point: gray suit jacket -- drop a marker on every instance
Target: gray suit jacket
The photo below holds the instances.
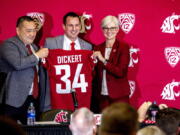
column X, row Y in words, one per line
column 19, row 68
column 57, row 43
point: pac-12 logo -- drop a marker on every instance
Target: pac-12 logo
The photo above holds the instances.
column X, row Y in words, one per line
column 172, row 55
column 169, row 93
column 39, row 18
column 171, row 23
column 133, row 56
column 126, row 21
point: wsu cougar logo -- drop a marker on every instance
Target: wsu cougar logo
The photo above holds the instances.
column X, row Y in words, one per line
column 168, row 25
column 168, row 92
column 133, row 56
column 61, row 117
column 172, row 55
column 132, row 85
column 86, row 22
column 126, row 21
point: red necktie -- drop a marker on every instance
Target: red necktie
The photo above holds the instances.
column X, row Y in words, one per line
column 72, row 46
column 35, row 81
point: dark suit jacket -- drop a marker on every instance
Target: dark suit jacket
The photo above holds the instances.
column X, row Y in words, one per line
column 18, row 65
column 116, row 70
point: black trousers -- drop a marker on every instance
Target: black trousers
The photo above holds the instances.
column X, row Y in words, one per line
column 21, row 112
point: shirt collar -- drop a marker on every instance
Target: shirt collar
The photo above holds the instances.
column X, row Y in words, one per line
column 68, row 42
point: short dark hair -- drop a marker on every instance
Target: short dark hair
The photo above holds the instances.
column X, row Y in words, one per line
column 119, row 118
column 168, row 120
column 70, row 14
column 22, row 19
column 10, row 127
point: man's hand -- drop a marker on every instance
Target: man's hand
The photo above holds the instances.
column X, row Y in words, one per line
column 162, row 106
column 142, row 110
column 42, row 53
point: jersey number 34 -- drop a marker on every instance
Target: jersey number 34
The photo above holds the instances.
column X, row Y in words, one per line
column 70, row 84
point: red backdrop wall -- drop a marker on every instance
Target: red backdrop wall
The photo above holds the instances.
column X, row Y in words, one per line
column 154, row 72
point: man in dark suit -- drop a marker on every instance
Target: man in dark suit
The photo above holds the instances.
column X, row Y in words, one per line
column 71, row 26
column 21, row 65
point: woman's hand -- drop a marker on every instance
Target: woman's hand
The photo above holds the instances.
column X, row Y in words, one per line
column 97, row 54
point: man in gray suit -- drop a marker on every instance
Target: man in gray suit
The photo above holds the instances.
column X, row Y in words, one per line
column 71, row 26
column 21, row 63
column 70, row 39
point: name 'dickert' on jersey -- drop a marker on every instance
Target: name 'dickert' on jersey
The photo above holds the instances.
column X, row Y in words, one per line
column 69, row 59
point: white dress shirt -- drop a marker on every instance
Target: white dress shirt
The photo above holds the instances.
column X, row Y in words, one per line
column 67, row 44
column 104, row 90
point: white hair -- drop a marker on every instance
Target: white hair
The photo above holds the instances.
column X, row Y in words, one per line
column 82, row 122
column 108, row 20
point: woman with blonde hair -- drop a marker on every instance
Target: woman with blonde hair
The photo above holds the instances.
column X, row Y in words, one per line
column 112, row 67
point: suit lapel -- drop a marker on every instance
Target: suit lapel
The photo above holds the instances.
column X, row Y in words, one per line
column 34, row 47
column 21, row 46
column 114, row 51
column 103, row 49
column 59, row 42
column 81, row 44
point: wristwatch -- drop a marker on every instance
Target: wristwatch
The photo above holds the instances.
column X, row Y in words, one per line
column 105, row 62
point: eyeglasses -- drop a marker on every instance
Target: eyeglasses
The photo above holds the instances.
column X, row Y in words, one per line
column 110, row 29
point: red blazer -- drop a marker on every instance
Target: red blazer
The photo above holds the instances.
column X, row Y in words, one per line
column 116, row 70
